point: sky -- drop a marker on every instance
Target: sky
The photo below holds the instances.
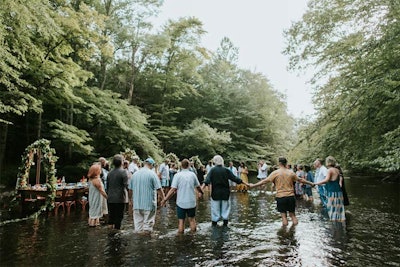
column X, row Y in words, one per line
column 256, row 28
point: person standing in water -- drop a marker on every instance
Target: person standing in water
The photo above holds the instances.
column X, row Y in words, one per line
column 334, row 194
column 284, row 180
column 218, row 177
column 185, row 183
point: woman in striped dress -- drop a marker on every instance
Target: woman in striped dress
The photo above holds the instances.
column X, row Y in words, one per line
column 335, row 205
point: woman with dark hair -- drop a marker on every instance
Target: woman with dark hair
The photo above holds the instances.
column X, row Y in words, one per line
column 117, row 184
column 97, row 196
column 310, row 178
column 346, row 201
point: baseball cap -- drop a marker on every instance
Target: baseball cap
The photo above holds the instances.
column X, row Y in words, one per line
column 150, row 160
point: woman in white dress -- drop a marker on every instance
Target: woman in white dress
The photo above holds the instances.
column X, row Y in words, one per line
column 97, row 196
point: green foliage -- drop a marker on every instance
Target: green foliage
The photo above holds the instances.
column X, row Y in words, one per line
column 72, row 135
column 93, row 78
column 355, row 47
column 201, row 139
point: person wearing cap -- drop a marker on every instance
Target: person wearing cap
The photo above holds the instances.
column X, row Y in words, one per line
column 185, row 182
column 117, row 185
column 284, row 179
column 218, row 177
column 142, row 192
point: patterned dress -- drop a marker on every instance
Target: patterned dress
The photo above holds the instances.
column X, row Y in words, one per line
column 335, row 205
column 243, row 175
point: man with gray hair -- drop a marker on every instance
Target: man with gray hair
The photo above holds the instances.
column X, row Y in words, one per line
column 143, row 189
column 218, row 177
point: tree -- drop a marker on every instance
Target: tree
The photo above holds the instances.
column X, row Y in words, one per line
column 354, row 47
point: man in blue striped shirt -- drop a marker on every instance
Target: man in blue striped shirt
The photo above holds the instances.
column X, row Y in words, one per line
column 144, row 185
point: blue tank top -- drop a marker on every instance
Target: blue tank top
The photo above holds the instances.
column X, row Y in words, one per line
column 333, row 186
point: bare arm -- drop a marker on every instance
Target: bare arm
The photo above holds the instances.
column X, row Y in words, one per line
column 130, row 194
column 326, row 179
column 169, row 195
column 162, row 193
column 304, row 181
column 97, row 184
column 261, row 182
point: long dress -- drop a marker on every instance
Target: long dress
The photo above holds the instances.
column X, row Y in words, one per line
column 335, row 205
column 96, row 202
column 242, row 187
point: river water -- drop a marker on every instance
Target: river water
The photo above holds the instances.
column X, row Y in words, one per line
column 254, row 237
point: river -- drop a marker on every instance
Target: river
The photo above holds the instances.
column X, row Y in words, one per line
column 254, row 237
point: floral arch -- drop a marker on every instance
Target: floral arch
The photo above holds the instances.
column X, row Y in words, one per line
column 46, row 156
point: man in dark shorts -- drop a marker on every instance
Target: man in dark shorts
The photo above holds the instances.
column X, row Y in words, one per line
column 185, row 183
column 284, row 179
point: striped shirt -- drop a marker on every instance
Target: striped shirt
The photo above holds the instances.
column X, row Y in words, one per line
column 144, row 184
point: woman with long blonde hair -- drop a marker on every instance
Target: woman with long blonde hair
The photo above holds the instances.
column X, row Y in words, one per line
column 335, row 205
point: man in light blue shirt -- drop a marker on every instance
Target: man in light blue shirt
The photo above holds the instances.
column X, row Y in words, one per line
column 233, row 169
column 185, row 182
column 163, row 174
column 144, row 185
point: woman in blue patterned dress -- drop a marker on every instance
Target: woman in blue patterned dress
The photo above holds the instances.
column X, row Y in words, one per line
column 335, row 205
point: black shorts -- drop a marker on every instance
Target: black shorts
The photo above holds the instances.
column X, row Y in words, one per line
column 183, row 212
column 286, row 204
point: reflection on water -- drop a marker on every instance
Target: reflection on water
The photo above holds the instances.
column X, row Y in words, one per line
column 254, row 236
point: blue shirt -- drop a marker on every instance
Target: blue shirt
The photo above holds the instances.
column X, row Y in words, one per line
column 144, row 184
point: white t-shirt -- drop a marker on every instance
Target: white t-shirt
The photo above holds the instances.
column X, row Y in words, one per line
column 185, row 182
column 133, row 167
column 164, row 171
column 321, row 174
column 262, row 172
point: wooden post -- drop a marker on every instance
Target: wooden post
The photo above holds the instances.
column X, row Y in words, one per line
column 38, row 163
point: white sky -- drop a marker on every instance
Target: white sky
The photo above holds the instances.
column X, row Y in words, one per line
column 256, row 28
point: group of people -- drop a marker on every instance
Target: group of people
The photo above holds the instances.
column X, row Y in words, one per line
column 140, row 185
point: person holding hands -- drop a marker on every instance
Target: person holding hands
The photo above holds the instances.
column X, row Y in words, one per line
column 184, row 183
column 284, row 180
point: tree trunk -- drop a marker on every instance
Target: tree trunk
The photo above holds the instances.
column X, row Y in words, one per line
column 39, row 126
column 132, row 84
column 70, row 122
column 3, row 144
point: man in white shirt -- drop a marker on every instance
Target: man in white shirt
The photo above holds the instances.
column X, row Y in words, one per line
column 143, row 189
column 133, row 167
column 163, row 174
column 320, row 173
column 262, row 171
column 184, row 183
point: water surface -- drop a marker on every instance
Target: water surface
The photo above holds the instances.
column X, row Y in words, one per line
column 254, row 236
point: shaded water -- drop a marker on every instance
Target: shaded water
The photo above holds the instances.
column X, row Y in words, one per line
column 371, row 236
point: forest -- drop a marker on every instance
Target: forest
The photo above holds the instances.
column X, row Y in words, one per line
column 96, row 78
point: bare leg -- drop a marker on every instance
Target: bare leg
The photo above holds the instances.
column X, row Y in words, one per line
column 293, row 217
column 284, row 219
column 181, row 226
column 192, row 223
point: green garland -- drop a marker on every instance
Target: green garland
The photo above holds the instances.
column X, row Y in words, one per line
column 49, row 162
column 173, row 159
column 128, row 154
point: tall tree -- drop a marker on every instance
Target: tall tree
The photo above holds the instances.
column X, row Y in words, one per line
column 354, row 45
